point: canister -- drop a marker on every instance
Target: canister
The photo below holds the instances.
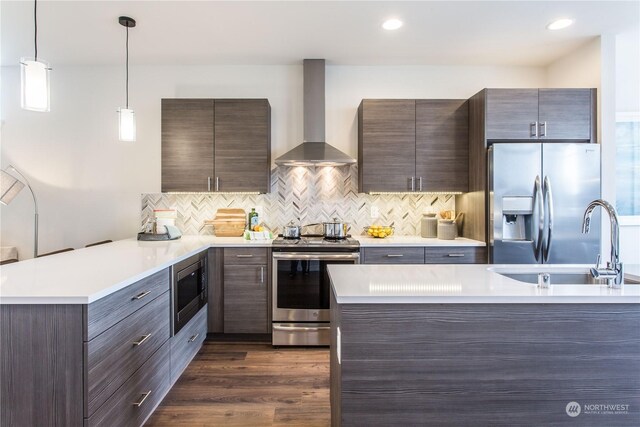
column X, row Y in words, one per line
column 447, row 229
column 429, row 225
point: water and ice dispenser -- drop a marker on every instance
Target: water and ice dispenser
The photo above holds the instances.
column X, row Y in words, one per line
column 517, row 217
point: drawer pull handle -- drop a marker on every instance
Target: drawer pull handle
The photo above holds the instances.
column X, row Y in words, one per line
column 193, row 338
column 244, row 256
column 141, row 341
column 142, row 399
column 394, row 255
column 141, row 295
column 456, row 255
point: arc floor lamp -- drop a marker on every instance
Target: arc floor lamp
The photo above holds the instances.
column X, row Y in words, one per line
column 10, row 186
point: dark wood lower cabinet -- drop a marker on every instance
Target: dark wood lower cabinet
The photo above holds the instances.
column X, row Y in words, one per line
column 483, row 364
column 245, row 299
column 243, row 293
column 113, row 356
column 455, row 255
column 53, row 376
column 41, row 361
column 134, row 402
column 424, row 255
column 392, row 255
column 186, row 343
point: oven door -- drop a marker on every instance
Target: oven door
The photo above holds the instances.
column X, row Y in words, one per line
column 190, row 293
column 301, row 287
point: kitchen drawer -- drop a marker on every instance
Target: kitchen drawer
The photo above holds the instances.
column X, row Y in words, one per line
column 128, row 405
column 106, row 312
column 186, row 343
column 113, row 356
column 245, row 256
column 455, row 255
column 394, row 255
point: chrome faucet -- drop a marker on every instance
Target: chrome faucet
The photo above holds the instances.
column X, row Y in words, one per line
column 614, row 272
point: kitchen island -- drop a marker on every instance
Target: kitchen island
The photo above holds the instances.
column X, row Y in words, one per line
column 464, row 345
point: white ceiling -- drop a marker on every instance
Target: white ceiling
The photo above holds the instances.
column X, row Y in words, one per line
column 265, row 32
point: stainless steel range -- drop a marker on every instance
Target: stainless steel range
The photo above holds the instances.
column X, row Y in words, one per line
column 301, row 287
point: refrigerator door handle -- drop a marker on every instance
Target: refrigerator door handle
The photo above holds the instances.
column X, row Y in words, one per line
column 538, row 202
column 548, row 205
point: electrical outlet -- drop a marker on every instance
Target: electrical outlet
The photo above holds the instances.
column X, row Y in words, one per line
column 375, row 212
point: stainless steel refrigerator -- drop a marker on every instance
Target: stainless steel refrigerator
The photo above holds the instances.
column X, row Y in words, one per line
column 537, row 196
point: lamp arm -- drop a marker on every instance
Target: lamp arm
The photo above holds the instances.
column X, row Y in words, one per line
column 35, row 207
column 26, row 181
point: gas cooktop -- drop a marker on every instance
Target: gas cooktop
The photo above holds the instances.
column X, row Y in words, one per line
column 315, row 241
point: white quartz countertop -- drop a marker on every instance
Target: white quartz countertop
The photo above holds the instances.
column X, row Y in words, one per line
column 366, row 241
column 86, row 275
column 462, row 284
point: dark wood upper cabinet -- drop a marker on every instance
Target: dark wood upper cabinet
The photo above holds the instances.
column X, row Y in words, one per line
column 413, row 145
column 567, row 114
column 187, row 144
column 216, row 145
column 511, row 114
column 540, row 114
column 442, row 145
column 242, row 145
column 386, row 144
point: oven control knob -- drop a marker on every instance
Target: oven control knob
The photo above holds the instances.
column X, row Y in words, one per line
column 315, row 314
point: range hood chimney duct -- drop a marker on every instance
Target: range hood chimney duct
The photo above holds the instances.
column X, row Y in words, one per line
column 314, row 151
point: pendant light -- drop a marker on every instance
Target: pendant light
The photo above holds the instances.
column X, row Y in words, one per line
column 34, row 76
column 126, row 115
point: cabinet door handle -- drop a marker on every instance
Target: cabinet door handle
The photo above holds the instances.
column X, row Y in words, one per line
column 141, row 341
column 394, row 255
column 217, row 183
column 244, row 256
column 413, row 183
column 420, row 183
column 193, row 338
column 543, row 129
column 261, row 274
column 140, row 295
column 142, row 399
column 533, row 129
column 456, row 255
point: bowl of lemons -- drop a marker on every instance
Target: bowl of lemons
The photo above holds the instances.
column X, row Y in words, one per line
column 379, row 231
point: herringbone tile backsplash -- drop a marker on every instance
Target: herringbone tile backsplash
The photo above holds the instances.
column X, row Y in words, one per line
column 311, row 194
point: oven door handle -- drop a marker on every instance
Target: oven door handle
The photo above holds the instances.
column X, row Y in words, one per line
column 316, row 256
column 300, row 328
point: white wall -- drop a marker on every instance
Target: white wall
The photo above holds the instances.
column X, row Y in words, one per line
column 89, row 184
column 627, row 90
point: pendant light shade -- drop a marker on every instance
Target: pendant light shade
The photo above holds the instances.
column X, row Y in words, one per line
column 126, row 115
column 127, row 119
column 34, row 76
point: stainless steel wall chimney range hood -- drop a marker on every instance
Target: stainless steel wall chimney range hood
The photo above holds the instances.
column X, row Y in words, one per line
column 314, row 151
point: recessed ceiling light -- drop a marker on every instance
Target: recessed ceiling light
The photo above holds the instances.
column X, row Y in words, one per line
column 392, row 24
column 559, row 24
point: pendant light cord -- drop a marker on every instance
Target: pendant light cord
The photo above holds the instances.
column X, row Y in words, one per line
column 35, row 25
column 127, row 62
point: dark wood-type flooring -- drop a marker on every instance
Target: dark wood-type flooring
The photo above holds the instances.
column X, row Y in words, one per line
column 249, row 384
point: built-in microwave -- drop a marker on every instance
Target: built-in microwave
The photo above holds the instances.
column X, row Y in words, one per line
column 188, row 290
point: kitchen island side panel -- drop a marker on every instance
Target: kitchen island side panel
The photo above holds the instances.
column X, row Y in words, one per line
column 41, row 365
column 485, row 364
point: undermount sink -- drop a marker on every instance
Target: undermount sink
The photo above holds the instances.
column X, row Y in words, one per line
column 559, row 275
column 558, row 278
